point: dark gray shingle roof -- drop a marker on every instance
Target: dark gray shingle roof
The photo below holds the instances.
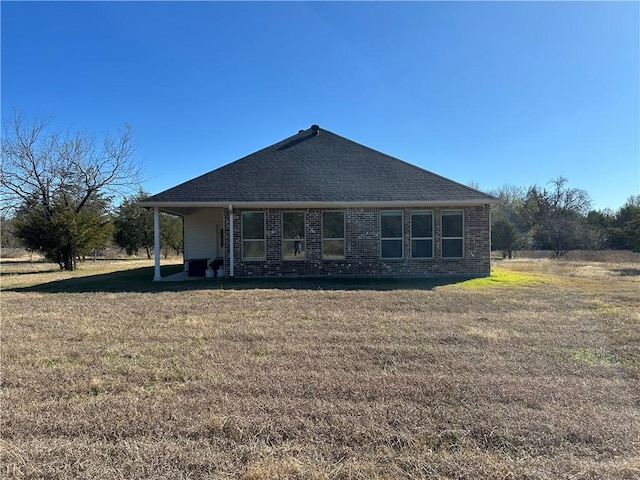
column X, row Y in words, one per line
column 322, row 167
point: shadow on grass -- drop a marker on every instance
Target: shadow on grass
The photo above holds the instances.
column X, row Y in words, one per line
column 8, row 266
column 4, row 273
column 139, row 280
column 627, row 272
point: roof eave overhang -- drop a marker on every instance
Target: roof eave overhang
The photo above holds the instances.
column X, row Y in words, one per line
column 177, row 206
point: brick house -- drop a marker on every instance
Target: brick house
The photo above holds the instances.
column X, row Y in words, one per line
column 317, row 203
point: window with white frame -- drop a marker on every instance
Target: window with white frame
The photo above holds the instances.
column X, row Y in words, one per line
column 452, row 234
column 333, row 235
column 253, row 236
column 391, row 233
column 421, row 234
column 293, row 238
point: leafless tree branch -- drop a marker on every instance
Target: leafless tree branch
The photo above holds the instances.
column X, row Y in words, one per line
column 37, row 164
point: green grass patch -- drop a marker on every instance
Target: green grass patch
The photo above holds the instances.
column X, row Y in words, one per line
column 504, row 277
column 594, row 358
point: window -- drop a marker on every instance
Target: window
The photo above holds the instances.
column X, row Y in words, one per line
column 333, row 235
column 293, row 239
column 253, row 236
column 452, row 236
column 421, row 234
column 391, row 234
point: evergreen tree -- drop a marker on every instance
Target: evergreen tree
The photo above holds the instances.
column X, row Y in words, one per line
column 133, row 226
column 62, row 233
column 171, row 234
column 504, row 237
column 627, row 225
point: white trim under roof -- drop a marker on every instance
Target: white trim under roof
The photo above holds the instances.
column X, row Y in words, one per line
column 374, row 204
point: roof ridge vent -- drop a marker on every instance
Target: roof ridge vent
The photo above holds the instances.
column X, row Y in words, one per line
column 315, row 129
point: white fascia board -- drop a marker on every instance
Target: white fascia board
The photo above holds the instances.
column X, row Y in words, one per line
column 165, row 208
column 400, row 203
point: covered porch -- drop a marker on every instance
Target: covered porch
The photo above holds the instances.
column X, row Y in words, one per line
column 204, row 242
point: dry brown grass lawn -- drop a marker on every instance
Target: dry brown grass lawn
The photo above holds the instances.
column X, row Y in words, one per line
column 532, row 373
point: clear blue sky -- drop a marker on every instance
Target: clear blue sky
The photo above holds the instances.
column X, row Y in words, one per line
column 494, row 93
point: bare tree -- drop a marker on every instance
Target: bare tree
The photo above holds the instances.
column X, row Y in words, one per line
column 48, row 176
column 563, row 198
column 557, row 217
column 36, row 163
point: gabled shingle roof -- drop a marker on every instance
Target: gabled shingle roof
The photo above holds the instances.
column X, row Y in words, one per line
column 316, row 165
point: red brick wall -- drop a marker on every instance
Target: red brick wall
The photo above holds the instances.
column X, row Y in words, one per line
column 362, row 246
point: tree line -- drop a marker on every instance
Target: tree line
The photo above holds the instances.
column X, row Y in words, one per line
column 559, row 218
column 59, row 190
column 129, row 228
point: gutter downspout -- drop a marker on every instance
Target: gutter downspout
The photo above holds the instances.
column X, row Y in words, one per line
column 231, row 240
column 156, row 243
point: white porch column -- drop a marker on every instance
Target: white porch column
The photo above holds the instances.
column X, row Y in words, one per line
column 156, row 243
column 230, row 240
